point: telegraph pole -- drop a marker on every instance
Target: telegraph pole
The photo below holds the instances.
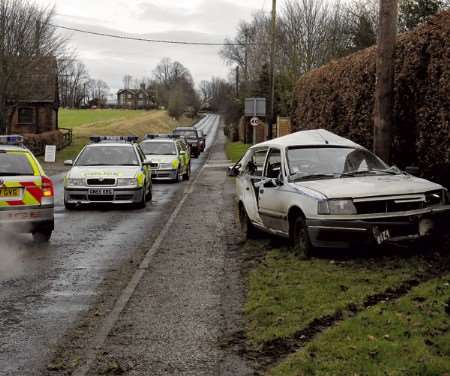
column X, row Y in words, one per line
column 384, row 94
column 272, row 69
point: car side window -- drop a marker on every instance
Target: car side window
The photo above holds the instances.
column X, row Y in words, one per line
column 255, row 163
column 273, row 168
column 141, row 154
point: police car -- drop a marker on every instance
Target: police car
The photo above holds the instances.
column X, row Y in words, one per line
column 109, row 170
column 26, row 193
column 169, row 157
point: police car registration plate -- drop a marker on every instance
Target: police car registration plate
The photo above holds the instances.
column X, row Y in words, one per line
column 9, row 192
column 101, row 192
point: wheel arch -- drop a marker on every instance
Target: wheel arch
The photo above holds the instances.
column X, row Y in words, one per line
column 295, row 212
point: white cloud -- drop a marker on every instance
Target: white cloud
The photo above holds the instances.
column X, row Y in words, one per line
column 194, row 20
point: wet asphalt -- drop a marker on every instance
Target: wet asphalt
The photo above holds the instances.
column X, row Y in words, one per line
column 45, row 289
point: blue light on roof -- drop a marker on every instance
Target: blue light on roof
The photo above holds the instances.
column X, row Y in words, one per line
column 97, row 139
column 11, row 140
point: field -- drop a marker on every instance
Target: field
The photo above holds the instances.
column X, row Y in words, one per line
column 86, row 123
column 235, row 150
column 380, row 314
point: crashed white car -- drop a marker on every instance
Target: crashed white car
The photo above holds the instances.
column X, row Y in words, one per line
column 322, row 190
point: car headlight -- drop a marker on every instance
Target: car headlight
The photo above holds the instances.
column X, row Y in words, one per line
column 72, row 182
column 127, row 182
column 344, row 207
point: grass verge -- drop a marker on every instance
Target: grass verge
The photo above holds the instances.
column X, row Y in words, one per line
column 235, row 150
column 409, row 336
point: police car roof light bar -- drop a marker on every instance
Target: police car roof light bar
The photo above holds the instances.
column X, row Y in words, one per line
column 97, row 139
column 16, row 140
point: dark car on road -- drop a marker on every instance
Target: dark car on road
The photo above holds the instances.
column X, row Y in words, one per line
column 191, row 135
column 202, row 136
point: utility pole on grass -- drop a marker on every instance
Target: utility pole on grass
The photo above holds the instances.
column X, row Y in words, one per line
column 384, row 94
column 272, row 69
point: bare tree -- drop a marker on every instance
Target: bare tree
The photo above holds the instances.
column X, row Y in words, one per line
column 26, row 36
column 127, row 80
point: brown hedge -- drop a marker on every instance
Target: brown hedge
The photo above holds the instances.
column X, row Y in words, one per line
column 340, row 97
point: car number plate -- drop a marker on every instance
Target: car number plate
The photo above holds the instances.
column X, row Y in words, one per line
column 101, row 192
column 9, row 192
column 381, row 236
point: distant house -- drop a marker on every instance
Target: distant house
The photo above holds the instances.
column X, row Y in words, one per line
column 142, row 98
column 34, row 108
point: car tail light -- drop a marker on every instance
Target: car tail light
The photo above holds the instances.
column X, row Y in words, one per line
column 47, row 187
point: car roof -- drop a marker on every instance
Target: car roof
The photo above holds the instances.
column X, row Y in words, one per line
column 162, row 139
column 96, row 144
column 316, row 137
column 185, row 129
column 13, row 148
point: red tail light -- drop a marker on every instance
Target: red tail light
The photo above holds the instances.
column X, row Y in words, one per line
column 47, row 187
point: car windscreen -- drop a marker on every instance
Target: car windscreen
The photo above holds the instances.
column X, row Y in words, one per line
column 15, row 164
column 159, row 148
column 108, row 156
column 333, row 161
column 188, row 133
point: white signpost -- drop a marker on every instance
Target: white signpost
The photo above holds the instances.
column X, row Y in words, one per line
column 50, row 153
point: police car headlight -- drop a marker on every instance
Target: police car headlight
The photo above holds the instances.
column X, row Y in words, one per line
column 340, row 207
column 72, row 182
column 127, row 182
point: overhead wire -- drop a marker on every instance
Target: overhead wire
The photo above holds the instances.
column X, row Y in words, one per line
column 140, row 39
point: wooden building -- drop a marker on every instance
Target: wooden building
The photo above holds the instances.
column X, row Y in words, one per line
column 142, row 98
column 33, row 109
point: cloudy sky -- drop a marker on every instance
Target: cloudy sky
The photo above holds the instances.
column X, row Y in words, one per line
column 187, row 20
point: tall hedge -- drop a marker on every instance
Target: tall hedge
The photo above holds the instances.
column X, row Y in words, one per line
column 340, row 97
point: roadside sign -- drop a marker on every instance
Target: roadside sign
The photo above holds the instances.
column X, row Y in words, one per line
column 254, row 121
column 50, row 153
column 255, row 107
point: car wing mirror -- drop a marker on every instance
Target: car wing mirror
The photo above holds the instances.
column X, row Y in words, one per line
column 68, row 163
column 234, row 170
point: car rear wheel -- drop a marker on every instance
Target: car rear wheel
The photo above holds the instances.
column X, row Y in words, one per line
column 42, row 236
column 299, row 237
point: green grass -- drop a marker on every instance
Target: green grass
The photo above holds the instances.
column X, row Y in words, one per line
column 86, row 123
column 75, row 118
column 409, row 336
column 286, row 294
column 235, row 150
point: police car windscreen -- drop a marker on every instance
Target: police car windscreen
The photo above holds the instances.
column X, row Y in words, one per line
column 15, row 165
column 108, row 156
column 186, row 133
column 159, row 148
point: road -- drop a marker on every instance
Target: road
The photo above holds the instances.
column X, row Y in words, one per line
column 44, row 290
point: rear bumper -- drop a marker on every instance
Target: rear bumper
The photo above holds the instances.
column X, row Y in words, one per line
column 345, row 233
column 24, row 220
column 80, row 196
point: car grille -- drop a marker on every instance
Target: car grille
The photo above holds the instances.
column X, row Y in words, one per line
column 387, row 206
column 154, row 165
column 102, row 182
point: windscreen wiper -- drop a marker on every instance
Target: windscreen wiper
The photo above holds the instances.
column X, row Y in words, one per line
column 312, row 177
column 369, row 172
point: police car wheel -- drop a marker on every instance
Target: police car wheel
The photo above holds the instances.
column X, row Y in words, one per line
column 42, row 236
column 143, row 203
column 187, row 175
column 149, row 195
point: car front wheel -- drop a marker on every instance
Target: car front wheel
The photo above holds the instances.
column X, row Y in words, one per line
column 299, row 238
column 248, row 230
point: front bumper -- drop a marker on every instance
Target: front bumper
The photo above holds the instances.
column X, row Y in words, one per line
column 342, row 233
column 27, row 219
column 81, row 196
column 161, row 174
